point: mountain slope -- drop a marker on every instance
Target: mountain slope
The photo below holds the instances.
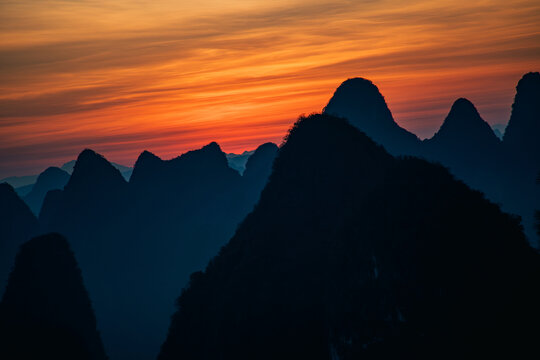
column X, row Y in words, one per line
column 45, row 312
column 52, row 178
column 467, row 145
column 351, row 253
column 523, row 130
column 17, row 225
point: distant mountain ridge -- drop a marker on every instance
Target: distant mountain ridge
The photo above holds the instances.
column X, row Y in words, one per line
column 165, row 223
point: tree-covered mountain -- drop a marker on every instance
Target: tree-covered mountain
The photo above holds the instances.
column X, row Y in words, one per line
column 351, row 253
column 45, row 312
column 17, row 225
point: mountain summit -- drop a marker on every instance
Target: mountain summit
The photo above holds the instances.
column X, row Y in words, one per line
column 359, row 101
column 464, row 125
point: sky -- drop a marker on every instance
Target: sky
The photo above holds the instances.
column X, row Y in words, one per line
column 122, row 76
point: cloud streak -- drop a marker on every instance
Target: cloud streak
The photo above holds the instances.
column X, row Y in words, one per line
column 171, row 75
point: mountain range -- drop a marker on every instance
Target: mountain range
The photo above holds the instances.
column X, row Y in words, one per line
column 366, row 241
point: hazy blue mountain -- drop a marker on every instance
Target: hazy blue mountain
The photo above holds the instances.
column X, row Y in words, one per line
column 523, row 130
column 353, row 254
column 138, row 242
column 45, row 312
column 238, row 161
column 498, row 130
column 52, row 178
column 17, row 225
column 19, row 181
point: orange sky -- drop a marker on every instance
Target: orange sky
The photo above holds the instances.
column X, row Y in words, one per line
column 168, row 76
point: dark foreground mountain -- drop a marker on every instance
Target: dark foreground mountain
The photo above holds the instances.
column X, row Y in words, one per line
column 17, row 225
column 45, row 312
column 52, row 178
column 359, row 101
column 138, row 242
column 351, row 253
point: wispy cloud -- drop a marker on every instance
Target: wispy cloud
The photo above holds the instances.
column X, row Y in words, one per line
column 169, row 75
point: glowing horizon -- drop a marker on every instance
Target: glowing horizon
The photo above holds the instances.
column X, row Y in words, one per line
column 169, row 76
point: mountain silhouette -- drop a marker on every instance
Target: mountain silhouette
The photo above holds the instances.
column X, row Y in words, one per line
column 351, row 253
column 17, row 225
column 51, row 179
column 258, row 170
column 523, row 130
column 521, row 154
column 467, row 145
column 46, row 312
column 359, row 101
column 238, row 161
column 138, row 242
column 124, row 170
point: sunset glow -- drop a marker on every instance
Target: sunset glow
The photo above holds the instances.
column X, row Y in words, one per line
column 169, row 76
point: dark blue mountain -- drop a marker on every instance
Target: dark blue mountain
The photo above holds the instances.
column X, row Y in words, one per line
column 360, row 102
column 17, row 225
column 138, row 242
column 467, row 145
column 523, row 130
column 45, row 312
column 52, row 178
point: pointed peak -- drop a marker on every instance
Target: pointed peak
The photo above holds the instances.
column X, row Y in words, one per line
column 464, row 123
column 93, row 168
column 463, row 108
column 146, row 157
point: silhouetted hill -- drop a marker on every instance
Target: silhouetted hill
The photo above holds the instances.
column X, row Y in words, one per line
column 467, row 145
column 51, row 179
column 351, row 253
column 523, row 130
column 360, row 102
column 46, row 312
column 522, row 153
column 138, row 242
column 17, row 225
column 258, row 170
